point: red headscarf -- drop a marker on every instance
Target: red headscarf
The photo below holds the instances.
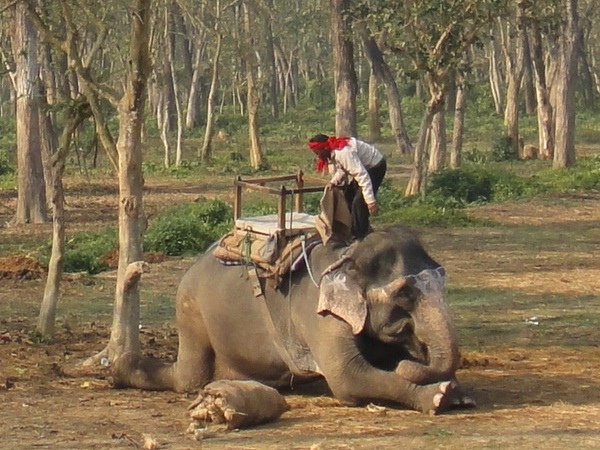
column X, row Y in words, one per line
column 332, row 143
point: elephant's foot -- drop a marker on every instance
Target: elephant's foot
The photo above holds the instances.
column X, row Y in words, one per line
column 436, row 398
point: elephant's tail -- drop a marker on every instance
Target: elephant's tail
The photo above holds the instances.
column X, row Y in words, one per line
column 134, row 370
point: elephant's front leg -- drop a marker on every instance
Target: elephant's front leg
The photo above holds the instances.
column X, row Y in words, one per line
column 421, row 374
column 353, row 379
column 416, row 372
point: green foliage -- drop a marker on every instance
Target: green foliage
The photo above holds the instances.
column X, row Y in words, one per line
column 460, row 186
column 85, row 252
column 8, row 134
column 502, row 149
column 5, row 165
column 476, row 156
column 584, row 175
column 395, row 208
column 188, row 228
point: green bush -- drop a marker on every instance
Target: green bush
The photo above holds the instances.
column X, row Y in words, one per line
column 584, row 175
column 85, row 252
column 188, row 228
column 5, row 166
column 502, row 149
column 396, row 208
column 460, row 186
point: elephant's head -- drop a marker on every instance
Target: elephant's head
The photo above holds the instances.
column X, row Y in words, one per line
column 404, row 291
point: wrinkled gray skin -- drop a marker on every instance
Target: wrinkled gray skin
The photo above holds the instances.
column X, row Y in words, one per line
column 406, row 354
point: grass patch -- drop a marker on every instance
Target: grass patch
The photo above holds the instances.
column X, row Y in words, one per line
column 487, row 318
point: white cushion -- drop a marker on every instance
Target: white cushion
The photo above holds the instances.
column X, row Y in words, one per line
column 294, row 221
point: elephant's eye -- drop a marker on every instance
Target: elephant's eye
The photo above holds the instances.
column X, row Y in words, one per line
column 405, row 298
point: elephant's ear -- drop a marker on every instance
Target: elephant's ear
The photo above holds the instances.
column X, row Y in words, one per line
column 340, row 295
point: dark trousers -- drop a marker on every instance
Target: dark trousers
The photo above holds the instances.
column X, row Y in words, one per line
column 356, row 202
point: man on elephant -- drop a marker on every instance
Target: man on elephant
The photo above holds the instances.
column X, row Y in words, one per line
column 359, row 167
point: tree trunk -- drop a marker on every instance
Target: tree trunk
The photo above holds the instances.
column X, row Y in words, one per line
column 124, row 335
column 584, row 70
column 528, row 85
column 256, row 154
column 167, row 74
column 514, row 73
column 47, row 316
column 495, row 76
column 437, row 156
column 206, row 151
column 459, row 126
column 564, row 155
column 31, row 195
column 374, row 122
column 344, row 73
column 270, row 55
column 178, row 150
column 385, row 75
column 417, row 182
column 544, row 108
column 192, row 117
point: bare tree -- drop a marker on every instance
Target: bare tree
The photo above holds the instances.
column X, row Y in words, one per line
column 459, row 121
column 206, row 150
column 252, row 99
column 513, row 45
column 383, row 73
column 564, row 154
column 344, row 73
column 76, row 112
column 31, row 190
column 544, row 107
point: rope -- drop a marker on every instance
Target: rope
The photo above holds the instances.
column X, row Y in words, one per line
column 247, row 247
column 308, row 269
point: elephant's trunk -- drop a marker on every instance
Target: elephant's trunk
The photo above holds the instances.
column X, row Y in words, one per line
column 434, row 328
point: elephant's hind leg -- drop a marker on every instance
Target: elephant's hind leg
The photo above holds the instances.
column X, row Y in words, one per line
column 195, row 359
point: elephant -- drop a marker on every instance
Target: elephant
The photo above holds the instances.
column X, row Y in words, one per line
column 402, row 350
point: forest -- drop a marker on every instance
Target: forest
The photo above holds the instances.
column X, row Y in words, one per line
column 123, row 124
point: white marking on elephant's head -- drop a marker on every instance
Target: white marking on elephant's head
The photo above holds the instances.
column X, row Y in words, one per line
column 430, row 282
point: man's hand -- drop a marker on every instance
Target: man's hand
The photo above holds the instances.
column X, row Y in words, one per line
column 373, row 208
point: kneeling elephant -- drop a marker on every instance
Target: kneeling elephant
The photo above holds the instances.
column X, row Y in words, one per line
column 377, row 329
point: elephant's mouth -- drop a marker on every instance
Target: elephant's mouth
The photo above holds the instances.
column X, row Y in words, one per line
column 417, row 351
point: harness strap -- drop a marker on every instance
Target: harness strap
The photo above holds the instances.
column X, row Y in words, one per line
column 305, row 255
column 256, row 286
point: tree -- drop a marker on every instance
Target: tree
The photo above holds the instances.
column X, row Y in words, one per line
column 513, row 45
column 31, row 191
column 544, row 107
column 383, row 73
column 564, row 154
column 129, row 105
column 206, row 150
column 75, row 113
column 432, row 37
column 252, row 98
column 344, row 74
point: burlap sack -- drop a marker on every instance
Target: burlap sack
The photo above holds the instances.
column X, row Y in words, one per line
column 237, row 403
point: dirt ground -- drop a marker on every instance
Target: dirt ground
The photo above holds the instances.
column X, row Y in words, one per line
column 530, row 352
